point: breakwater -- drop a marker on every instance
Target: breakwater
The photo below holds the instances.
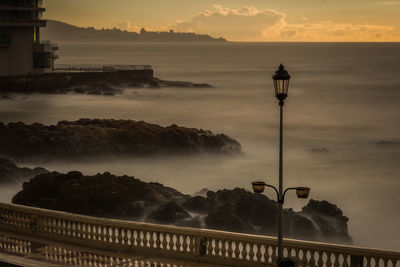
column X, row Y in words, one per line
column 74, row 77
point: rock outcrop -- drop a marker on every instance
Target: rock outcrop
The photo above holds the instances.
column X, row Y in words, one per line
column 329, row 218
column 91, row 83
column 168, row 213
column 11, row 173
column 94, row 138
column 241, row 211
column 237, row 210
column 102, row 195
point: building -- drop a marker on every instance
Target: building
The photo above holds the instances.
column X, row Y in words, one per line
column 21, row 50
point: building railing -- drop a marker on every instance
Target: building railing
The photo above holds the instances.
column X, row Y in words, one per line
column 45, row 46
column 20, row 15
column 100, row 68
column 21, row 3
column 197, row 245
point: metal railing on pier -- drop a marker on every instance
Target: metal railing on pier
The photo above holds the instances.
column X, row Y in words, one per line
column 197, row 245
column 99, row 68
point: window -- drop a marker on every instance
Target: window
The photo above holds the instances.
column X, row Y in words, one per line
column 5, row 35
column 42, row 60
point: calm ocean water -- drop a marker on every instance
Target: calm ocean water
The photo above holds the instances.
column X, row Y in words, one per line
column 343, row 101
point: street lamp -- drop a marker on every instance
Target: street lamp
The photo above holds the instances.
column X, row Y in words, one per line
column 301, row 192
column 281, row 83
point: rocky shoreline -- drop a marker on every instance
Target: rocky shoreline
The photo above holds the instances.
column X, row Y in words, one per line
column 105, row 85
column 124, row 197
column 11, row 173
column 93, row 139
column 117, row 88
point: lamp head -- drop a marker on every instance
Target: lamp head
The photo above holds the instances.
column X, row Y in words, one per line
column 281, row 82
column 302, row 192
column 258, row 187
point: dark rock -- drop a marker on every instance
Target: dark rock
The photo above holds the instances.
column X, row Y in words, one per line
column 238, row 210
column 135, row 85
column 329, row 218
column 168, row 213
column 94, row 138
column 242, row 211
column 86, row 82
column 103, row 195
column 11, row 173
column 300, row 227
column 7, row 96
column 224, row 218
column 195, row 222
column 178, row 84
column 196, row 204
column 203, row 192
column 94, row 92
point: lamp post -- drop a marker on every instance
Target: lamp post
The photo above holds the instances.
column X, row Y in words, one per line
column 281, row 83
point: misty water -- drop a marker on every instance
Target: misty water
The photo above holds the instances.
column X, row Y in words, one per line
column 343, row 101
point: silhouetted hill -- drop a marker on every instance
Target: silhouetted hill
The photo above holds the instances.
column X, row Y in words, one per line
column 59, row 31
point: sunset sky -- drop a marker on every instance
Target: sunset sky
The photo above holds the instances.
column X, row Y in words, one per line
column 241, row 20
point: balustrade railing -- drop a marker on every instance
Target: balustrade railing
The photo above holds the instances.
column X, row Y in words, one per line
column 197, row 245
column 56, row 254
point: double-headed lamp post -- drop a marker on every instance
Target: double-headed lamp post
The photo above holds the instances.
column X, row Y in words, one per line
column 281, row 83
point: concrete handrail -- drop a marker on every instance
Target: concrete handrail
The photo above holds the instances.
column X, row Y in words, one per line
column 198, row 245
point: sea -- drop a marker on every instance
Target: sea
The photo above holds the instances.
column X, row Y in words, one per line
column 341, row 121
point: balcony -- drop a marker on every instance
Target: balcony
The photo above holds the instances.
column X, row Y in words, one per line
column 20, row 15
column 21, row 4
column 45, row 46
column 75, row 238
column 23, row 23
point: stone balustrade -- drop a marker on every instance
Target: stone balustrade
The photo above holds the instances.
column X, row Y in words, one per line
column 197, row 245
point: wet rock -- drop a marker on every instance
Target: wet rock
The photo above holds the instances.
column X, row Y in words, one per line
column 91, row 82
column 11, row 173
column 225, row 218
column 168, row 214
column 102, row 195
column 241, row 211
column 90, row 139
column 196, row 204
column 178, row 84
column 237, row 210
column 195, row 222
column 202, row 192
column 329, row 219
column 7, row 96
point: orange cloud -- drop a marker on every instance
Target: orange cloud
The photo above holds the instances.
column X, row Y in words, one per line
column 246, row 23
column 336, row 32
column 251, row 24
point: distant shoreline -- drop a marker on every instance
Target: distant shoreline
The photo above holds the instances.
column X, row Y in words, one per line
column 60, row 32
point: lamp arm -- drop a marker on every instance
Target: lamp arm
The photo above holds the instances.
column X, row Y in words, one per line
column 284, row 193
column 276, row 191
